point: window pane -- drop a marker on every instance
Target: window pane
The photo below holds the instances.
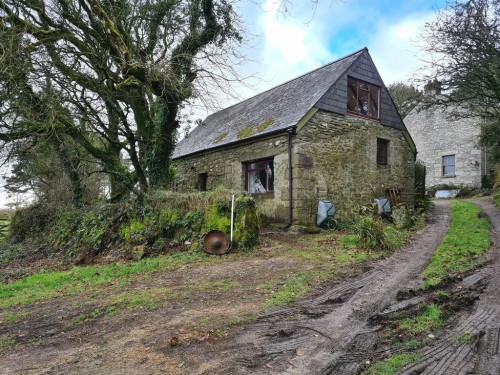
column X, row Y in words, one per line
column 257, row 165
column 363, row 102
column 260, row 176
column 449, row 165
column 382, row 151
column 270, row 176
column 351, row 96
column 374, row 95
column 256, row 184
column 363, row 98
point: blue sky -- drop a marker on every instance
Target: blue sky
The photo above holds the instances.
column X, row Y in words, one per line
column 303, row 39
column 286, row 45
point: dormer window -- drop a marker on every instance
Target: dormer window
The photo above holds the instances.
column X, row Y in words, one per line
column 363, row 98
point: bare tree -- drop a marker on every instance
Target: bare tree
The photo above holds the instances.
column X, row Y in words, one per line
column 464, row 43
column 112, row 75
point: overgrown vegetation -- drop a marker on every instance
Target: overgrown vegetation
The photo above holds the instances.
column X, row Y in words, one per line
column 496, row 199
column 462, row 248
column 4, row 225
column 371, row 232
column 164, row 222
column 293, row 264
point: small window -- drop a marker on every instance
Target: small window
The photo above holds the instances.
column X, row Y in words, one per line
column 363, row 98
column 202, row 181
column 259, row 176
column 449, row 165
column 382, row 151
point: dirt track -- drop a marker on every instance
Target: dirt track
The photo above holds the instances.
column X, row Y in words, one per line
column 334, row 331
column 329, row 333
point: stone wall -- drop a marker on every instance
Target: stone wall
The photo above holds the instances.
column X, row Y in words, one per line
column 331, row 153
column 436, row 134
column 337, row 155
column 226, row 167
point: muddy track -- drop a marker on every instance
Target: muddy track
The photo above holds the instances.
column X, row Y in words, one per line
column 481, row 354
column 448, row 356
column 329, row 333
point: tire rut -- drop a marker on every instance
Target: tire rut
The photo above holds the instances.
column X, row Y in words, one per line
column 330, row 334
column 480, row 354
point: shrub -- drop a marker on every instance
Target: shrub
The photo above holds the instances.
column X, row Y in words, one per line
column 496, row 199
column 246, row 228
column 162, row 221
column 371, row 232
column 29, row 222
column 423, row 204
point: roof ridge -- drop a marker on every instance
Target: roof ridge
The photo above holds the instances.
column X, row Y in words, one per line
column 290, row 80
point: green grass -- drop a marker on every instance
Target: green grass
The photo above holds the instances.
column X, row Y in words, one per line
column 295, row 286
column 325, row 253
column 427, row 322
column 496, row 199
column 6, row 341
column 462, row 248
column 14, row 317
column 392, row 365
column 44, row 286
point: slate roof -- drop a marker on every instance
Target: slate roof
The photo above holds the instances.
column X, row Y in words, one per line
column 274, row 110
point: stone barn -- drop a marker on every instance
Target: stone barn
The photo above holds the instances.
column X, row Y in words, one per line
column 333, row 132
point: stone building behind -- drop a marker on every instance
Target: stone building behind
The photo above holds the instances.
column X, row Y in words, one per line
column 333, row 132
column 448, row 146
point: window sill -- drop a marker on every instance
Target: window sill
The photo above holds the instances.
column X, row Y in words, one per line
column 366, row 117
column 268, row 194
column 449, row 176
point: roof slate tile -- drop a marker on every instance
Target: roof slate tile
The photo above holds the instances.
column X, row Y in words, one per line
column 284, row 105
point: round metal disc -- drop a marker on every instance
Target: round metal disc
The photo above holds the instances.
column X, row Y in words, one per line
column 216, row 242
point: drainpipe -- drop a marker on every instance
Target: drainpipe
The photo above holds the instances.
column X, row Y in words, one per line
column 290, row 133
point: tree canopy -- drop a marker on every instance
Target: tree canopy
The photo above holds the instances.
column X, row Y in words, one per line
column 464, row 43
column 405, row 97
column 111, row 75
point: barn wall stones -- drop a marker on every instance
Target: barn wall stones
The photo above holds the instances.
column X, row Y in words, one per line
column 333, row 156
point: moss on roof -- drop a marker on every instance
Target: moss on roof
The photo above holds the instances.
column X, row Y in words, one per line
column 246, row 132
column 220, row 138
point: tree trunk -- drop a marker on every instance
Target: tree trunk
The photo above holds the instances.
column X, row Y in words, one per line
column 70, row 168
column 161, row 146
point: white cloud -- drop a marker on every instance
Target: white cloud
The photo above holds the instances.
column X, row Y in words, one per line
column 394, row 47
column 291, row 47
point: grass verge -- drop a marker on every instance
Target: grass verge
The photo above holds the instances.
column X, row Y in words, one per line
column 496, row 199
column 44, row 286
column 392, row 365
column 463, row 246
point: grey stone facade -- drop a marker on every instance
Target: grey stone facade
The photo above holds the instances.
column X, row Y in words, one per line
column 437, row 134
column 330, row 153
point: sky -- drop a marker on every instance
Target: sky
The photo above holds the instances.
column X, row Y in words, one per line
column 285, row 44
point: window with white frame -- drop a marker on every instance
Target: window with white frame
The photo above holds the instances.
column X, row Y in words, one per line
column 449, row 165
column 259, row 176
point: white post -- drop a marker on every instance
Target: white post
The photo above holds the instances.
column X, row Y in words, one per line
column 232, row 217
